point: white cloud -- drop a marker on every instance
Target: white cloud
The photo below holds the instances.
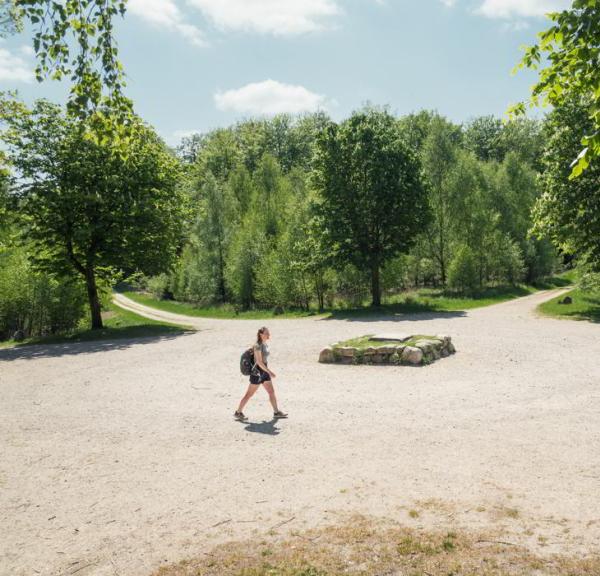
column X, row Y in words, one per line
column 166, row 14
column 14, row 68
column 278, row 17
column 449, row 3
column 27, row 50
column 521, row 8
column 269, row 98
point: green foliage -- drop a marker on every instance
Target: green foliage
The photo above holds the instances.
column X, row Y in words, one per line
column 483, row 137
column 589, row 281
column 75, row 39
column 273, row 280
column 245, row 252
column 463, row 273
column 373, row 201
column 570, row 50
column 85, row 207
column 10, row 18
column 440, row 148
column 158, row 286
column 193, row 280
column 567, row 212
column 505, row 262
column 491, row 139
column 259, row 235
column 36, row 303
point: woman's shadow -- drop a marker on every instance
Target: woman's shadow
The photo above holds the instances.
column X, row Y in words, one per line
column 263, row 427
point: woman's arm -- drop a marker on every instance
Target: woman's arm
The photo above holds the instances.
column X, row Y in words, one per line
column 258, row 360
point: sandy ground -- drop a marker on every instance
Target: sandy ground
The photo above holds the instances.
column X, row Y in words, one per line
column 117, row 457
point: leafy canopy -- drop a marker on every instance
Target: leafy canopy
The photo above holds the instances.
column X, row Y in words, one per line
column 568, row 210
column 572, row 49
column 373, row 202
column 74, row 39
column 87, row 209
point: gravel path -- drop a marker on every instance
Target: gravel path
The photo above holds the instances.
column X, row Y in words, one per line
column 119, row 456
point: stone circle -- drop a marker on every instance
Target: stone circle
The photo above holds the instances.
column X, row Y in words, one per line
column 391, row 349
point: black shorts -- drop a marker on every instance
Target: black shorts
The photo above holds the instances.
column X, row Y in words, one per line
column 259, row 377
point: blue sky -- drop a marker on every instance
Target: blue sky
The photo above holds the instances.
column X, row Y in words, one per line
column 193, row 65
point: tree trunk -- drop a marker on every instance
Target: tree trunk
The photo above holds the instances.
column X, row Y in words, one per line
column 92, row 290
column 222, row 288
column 443, row 271
column 320, row 290
column 375, row 284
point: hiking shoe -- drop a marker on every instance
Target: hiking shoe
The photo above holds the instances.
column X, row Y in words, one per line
column 279, row 414
column 240, row 416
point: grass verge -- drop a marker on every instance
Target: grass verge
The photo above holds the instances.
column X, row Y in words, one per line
column 424, row 300
column 585, row 306
column 118, row 324
column 368, row 547
column 226, row 311
column 428, row 300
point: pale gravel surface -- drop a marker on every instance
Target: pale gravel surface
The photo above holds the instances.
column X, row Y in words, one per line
column 117, row 457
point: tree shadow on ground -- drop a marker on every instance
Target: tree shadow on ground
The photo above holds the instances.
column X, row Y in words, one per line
column 555, row 282
column 263, row 427
column 114, row 339
column 393, row 313
column 431, row 304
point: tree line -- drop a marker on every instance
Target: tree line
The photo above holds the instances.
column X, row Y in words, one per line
column 288, row 212
column 300, row 212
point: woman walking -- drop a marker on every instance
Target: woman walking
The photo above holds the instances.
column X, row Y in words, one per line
column 261, row 374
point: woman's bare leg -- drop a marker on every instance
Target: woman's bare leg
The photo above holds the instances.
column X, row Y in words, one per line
column 271, row 392
column 252, row 388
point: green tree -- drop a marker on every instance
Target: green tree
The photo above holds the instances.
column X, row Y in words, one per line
column 218, row 154
column 490, row 138
column 272, row 193
column 218, row 217
column 242, row 187
column 86, row 208
column 439, row 156
column 311, row 257
column 513, row 188
column 568, row 211
column 570, row 50
column 373, row 201
column 463, row 272
column 483, row 137
column 245, row 251
column 415, row 127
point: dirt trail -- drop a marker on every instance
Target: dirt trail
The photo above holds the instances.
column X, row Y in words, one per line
column 516, row 307
column 119, row 456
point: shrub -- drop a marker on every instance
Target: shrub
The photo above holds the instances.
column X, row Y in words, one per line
column 158, row 286
column 463, row 272
column 36, row 303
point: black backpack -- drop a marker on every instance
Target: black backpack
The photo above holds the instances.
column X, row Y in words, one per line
column 247, row 362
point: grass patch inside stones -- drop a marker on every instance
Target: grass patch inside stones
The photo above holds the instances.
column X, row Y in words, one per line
column 401, row 349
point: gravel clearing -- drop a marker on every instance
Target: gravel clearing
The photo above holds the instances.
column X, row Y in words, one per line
column 117, row 457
